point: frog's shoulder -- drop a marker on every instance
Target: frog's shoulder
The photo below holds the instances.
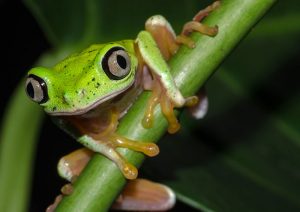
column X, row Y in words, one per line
column 88, row 54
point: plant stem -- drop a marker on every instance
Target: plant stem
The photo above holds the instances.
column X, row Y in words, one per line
column 101, row 181
column 19, row 133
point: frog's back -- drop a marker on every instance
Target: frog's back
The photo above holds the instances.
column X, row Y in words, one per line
column 88, row 54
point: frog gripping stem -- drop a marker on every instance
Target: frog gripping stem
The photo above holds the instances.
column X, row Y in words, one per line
column 196, row 26
column 107, row 146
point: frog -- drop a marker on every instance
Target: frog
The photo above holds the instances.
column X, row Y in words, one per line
column 88, row 92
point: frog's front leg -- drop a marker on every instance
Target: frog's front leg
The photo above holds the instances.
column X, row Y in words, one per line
column 107, row 141
column 107, row 146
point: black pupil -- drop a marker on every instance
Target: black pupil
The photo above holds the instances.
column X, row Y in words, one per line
column 30, row 90
column 121, row 61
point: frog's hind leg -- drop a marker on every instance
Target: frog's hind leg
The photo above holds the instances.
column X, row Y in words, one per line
column 159, row 96
column 137, row 195
column 144, row 195
column 164, row 89
column 196, row 26
column 163, row 34
column 70, row 166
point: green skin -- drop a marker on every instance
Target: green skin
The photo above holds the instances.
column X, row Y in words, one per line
column 78, row 83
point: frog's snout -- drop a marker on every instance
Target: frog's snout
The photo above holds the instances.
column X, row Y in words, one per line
column 70, row 100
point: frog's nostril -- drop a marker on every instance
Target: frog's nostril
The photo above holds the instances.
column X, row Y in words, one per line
column 67, row 99
column 81, row 93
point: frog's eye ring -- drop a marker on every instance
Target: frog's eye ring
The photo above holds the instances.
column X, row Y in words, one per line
column 116, row 63
column 36, row 89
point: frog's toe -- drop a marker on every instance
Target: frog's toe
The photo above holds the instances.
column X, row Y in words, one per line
column 174, row 127
column 196, row 26
column 129, row 171
column 191, row 101
column 52, row 207
column 150, row 149
column 147, row 121
column 205, row 12
column 67, row 189
column 167, row 108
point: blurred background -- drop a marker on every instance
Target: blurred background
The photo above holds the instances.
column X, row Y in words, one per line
column 243, row 156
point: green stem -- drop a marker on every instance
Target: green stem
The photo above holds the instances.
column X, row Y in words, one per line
column 101, row 181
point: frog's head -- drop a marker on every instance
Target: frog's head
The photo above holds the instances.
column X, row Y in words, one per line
column 83, row 81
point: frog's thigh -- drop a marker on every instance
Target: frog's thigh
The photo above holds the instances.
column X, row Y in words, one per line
column 160, row 70
column 71, row 165
column 163, row 34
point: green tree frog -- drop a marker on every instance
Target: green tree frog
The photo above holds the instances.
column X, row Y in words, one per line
column 88, row 92
column 91, row 90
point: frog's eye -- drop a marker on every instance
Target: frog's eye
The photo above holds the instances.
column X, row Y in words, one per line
column 36, row 89
column 116, row 63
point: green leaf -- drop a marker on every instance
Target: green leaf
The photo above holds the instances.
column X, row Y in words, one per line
column 76, row 24
column 18, row 140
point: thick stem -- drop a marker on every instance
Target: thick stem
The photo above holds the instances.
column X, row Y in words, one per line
column 101, row 181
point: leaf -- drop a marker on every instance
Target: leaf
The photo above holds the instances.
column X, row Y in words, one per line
column 76, row 24
column 18, row 139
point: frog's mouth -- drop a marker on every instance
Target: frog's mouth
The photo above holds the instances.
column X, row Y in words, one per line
column 81, row 111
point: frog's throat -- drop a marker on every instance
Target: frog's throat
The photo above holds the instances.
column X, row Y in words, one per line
column 80, row 111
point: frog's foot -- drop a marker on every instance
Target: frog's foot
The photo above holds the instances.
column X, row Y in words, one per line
column 144, row 195
column 107, row 146
column 196, row 26
column 158, row 96
column 167, row 107
column 129, row 171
